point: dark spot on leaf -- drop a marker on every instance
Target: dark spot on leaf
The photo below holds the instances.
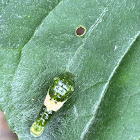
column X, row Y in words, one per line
column 80, row 31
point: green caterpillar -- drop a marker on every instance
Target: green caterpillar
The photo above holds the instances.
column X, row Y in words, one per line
column 57, row 95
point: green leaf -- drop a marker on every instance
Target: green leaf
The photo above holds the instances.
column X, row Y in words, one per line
column 38, row 42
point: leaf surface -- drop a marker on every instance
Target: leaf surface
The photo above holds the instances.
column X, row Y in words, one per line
column 39, row 42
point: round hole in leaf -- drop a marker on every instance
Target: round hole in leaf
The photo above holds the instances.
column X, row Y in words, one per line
column 80, row 31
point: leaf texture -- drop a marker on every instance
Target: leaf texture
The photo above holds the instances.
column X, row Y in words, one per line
column 38, row 42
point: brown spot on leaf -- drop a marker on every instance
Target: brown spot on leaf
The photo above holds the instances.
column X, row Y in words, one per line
column 80, row 31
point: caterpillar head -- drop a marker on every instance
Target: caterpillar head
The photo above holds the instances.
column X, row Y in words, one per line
column 62, row 87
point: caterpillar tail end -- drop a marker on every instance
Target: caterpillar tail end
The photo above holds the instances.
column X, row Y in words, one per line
column 36, row 130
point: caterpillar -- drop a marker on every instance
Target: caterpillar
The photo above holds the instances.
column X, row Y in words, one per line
column 58, row 93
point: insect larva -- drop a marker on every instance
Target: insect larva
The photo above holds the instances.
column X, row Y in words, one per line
column 57, row 95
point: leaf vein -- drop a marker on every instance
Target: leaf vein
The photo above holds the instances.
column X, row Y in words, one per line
column 93, row 26
column 106, row 87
